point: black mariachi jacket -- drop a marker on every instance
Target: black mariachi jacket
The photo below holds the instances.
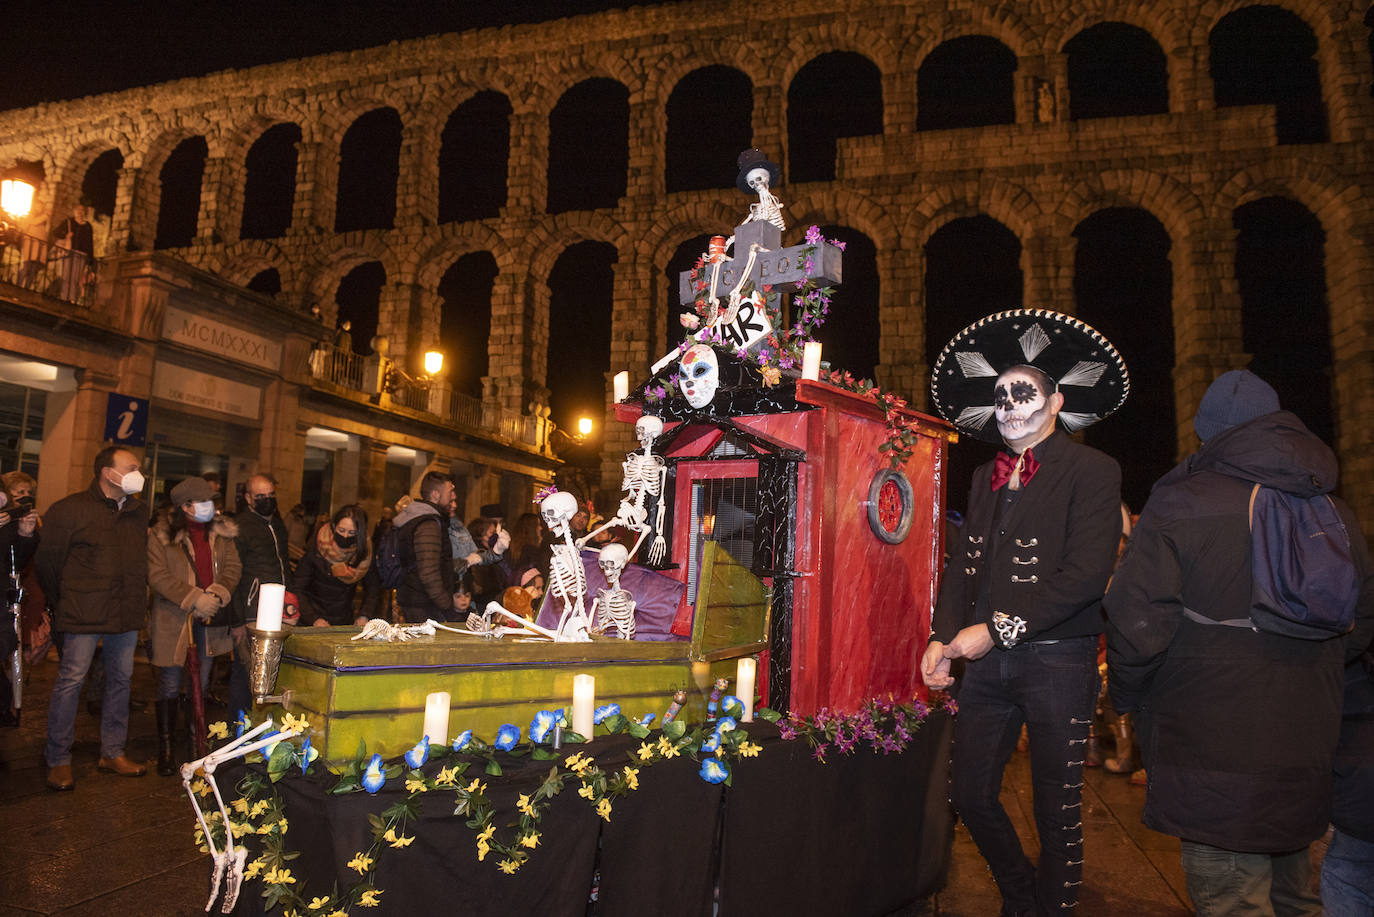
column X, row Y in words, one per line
column 1050, row 556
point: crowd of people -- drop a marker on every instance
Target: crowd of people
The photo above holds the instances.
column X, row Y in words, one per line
column 100, row 568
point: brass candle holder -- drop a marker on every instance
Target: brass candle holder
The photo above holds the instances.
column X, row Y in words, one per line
column 264, row 663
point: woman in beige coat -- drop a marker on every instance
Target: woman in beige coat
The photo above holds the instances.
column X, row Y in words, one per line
column 193, row 567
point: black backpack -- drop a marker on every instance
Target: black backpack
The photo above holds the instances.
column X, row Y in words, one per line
column 395, row 554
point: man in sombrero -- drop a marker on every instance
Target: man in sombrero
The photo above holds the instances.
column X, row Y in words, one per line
column 1020, row 605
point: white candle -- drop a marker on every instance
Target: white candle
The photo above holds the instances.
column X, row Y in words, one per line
column 270, row 599
column 584, row 702
column 811, row 360
column 744, row 685
column 436, row 717
column 622, row 385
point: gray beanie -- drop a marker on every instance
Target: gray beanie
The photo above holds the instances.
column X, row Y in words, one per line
column 1234, row 398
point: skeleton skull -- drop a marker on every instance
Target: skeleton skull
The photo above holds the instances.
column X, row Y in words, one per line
column 699, row 375
column 1024, row 411
column 647, row 429
column 757, row 178
column 557, row 509
column 612, row 561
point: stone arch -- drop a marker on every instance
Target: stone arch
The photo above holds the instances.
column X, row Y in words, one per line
column 322, row 276
column 850, row 33
column 1166, row 199
column 428, row 266
column 548, row 240
column 853, row 209
column 1008, row 203
column 1321, row 16
column 449, row 159
column 967, row 80
column 833, row 95
column 1004, row 24
column 667, row 70
column 627, row 70
column 687, row 219
column 368, row 152
column 1116, row 69
column 241, row 261
column 577, row 145
column 1160, row 20
column 149, row 159
column 1332, row 198
column 251, row 207
column 72, row 168
column 697, row 159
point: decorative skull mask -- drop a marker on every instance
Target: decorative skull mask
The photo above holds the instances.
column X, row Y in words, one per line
column 647, row 429
column 612, row 561
column 557, row 509
column 699, row 375
column 1022, row 409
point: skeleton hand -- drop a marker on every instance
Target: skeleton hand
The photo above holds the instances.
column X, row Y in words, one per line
column 657, row 550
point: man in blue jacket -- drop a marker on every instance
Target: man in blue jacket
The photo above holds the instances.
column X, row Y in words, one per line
column 1238, row 726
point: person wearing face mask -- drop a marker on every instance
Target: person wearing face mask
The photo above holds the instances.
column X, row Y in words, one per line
column 327, row 578
column 1016, row 625
column 262, row 546
column 92, row 562
column 193, row 569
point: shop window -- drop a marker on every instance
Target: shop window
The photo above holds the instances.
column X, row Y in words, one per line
column 839, row 94
column 101, row 183
column 1281, row 271
column 269, row 187
column 851, row 338
column 465, row 320
column 581, row 286
column 589, row 146
column 178, row 212
column 966, row 82
column 474, row 153
column 710, row 119
column 22, row 411
column 1265, row 55
column 1116, row 70
column 369, row 168
column 359, row 302
column 1123, row 287
column 973, row 268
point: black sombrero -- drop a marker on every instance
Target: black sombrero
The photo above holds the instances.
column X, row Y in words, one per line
column 1086, row 367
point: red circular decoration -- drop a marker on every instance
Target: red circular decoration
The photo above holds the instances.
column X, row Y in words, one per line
column 890, row 505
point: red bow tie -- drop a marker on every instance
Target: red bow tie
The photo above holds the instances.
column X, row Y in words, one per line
column 1007, row 463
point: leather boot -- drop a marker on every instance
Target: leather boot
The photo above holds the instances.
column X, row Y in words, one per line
column 166, row 711
column 1126, row 759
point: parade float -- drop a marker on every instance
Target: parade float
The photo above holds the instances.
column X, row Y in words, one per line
column 780, row 543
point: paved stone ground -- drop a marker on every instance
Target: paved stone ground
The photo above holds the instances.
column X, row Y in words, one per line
column 123, row 846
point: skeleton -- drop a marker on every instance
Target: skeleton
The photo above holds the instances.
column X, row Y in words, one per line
column 567, row 578
column 769, row 208
column 699, row 375
column 228, row 862
column 377, row 629
column 645, row 476
column 616, row 606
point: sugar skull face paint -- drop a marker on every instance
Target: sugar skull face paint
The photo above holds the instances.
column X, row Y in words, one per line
column 1024, row 412
column 699, row 375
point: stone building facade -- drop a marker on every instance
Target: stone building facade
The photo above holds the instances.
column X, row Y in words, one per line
column 1040, row 174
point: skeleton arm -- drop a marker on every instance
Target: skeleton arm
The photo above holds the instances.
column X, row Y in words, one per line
column 659, row 548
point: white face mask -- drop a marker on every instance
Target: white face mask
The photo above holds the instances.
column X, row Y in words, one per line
column 132, row 483
column 203, row 512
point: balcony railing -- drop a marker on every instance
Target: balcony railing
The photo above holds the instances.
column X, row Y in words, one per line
column 45, row 267
column 381, row 379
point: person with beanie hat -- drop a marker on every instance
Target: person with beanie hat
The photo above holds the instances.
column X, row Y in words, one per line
column 1208, row 699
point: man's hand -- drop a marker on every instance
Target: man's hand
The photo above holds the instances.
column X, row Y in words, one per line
column 973, row 642
column 205, row 607
column 474, row 559
column 29, row 524
column 935, row 667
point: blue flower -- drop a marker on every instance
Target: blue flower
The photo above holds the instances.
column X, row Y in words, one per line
column 374, row 775
column 712, row 743
column 461, row 741
column 729, row 701
column 713, row 770
column 507, row 736
column 308, row 754
column 418, row 755
column 542, row 724
column 602, row 712
column 725, row 724
column 648, row 718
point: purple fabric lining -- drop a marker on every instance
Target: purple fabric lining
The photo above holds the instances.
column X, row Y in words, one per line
column 656, row 599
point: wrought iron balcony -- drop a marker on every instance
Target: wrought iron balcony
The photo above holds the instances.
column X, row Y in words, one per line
column 47, row 268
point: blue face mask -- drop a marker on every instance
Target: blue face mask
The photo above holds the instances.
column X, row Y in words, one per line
column 203, row 512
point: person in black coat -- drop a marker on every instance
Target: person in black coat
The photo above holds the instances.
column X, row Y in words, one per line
column 262, row 548
column 18, row 541
column 1020, row 602
column 1348, row 867
column 1238, row 727
column 337, row 561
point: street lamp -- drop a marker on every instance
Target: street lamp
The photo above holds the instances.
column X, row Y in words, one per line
column 434, row 362
column 16, row 197
column 584, row 426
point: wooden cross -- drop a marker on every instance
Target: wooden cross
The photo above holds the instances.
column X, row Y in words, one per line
column 774, row 266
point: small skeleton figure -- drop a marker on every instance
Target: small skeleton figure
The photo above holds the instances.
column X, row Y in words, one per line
column 613, row 606
column 377, row 629
column 644, row 476
column 567, row 578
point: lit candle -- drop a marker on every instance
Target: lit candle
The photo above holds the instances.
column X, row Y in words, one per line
column 436, row 717
column 271, row 596
column 744, row 685
column 584, row 702
column 622, row 385
column 811, row 360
